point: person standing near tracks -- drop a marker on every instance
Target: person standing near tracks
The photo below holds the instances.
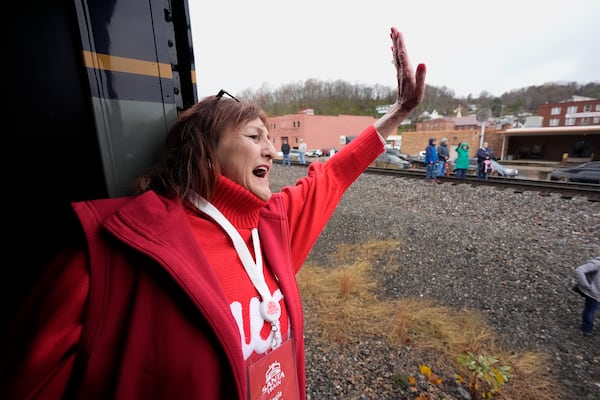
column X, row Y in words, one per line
column 443, row 155
column 483, row 153
column 462, row 160
column 588, row 285
column 285, row 151
column 431, row 161
column 302, row 152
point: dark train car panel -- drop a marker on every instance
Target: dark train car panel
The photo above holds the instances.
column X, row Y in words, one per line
column 92, row 87
column 129, row 52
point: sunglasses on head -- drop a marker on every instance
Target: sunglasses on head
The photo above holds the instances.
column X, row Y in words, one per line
column 222, row 92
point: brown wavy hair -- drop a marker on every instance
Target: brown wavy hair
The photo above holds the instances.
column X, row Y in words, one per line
column 188, row 161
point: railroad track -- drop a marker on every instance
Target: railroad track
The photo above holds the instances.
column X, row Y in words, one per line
column 565, row 189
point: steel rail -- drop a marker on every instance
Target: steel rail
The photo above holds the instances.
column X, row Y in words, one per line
column 567, row 189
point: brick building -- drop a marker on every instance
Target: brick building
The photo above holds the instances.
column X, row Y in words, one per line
column 436, row 124
column 578, row 111
column 568, row 129
column 318, row 131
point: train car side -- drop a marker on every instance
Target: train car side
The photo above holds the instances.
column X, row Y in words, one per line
column 92, row 88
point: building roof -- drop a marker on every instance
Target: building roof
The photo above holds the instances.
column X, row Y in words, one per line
column 469, row 120
column 554, row 130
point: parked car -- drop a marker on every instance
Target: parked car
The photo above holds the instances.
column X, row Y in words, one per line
column 583, row 173
column 314, row 153
column 390, row 161
column 471, row 169
column 397, row 153
column 417, row 161
column 293, row 155
column 329, row 151
column 499, row 169
column 503, row 170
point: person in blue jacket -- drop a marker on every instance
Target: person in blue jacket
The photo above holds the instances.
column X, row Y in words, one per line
column 431, row 160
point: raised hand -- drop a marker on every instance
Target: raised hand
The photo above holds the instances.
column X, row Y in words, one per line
column 411, row 87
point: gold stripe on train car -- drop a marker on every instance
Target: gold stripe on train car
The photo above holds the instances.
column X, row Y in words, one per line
column 129, row 65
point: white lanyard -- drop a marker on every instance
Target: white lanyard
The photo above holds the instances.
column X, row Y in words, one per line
column 270, row 310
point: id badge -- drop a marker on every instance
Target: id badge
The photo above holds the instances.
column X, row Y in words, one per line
column 273, row 377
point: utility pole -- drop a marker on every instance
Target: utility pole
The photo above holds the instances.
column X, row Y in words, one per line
column 482, row 117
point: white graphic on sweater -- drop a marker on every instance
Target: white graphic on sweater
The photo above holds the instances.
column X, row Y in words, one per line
column 256, row 343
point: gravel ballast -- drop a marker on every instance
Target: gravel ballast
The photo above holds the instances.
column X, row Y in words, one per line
column 509, row 255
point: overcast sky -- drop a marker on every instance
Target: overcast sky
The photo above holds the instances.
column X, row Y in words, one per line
column 468, row 46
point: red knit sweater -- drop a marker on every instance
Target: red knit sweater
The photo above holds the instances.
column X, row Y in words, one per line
column 241, row 208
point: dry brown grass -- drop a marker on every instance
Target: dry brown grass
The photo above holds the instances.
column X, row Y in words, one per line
column 343, row 296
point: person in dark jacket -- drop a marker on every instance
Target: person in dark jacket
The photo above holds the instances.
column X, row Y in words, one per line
column 431, row 161
column 285, row 151
column 443, row 154
column 187, row 290
column 484, row 153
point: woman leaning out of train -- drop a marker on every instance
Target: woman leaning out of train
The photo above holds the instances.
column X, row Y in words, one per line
column 188, row 288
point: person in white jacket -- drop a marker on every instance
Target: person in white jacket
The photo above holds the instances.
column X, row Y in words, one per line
column 302, row 152
column 588, row 282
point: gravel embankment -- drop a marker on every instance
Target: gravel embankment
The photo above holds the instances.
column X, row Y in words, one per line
column 509, row 255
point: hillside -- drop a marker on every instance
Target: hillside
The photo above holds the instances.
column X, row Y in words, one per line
column 339, row 97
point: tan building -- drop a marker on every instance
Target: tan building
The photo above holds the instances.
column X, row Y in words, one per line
column 456, row 130
column 415, row 142
column 318, row 131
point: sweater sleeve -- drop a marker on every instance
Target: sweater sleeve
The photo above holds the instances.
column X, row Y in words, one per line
column 40, row 349
column 312, row 200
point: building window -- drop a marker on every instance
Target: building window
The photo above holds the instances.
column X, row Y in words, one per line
column 553, row 122
column 571, row 109
column 582, row 149
column 585, row 121
column 597, row 107
column 570, row 121
column 293, row 124
column 555, row 111
column 298, row 123
column 596, row 120
column 587, row 108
